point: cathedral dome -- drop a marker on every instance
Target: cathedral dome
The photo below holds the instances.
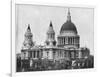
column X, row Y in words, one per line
column 68, row 26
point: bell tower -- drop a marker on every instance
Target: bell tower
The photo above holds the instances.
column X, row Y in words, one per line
column 28, row 42
column 50, row 41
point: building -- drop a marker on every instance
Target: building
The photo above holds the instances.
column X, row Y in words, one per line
column 66, row 48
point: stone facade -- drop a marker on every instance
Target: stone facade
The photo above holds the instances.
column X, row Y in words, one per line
column 67, row 46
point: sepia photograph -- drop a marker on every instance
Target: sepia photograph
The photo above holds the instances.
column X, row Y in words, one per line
column 53, row 38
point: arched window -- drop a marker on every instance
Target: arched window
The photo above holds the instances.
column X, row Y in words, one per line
column 47, row 54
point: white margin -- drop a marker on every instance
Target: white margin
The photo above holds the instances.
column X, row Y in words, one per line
column 45, row 73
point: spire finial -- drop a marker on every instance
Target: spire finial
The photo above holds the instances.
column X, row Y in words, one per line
column 50, row 23
column 28, row 27
column 68, row 17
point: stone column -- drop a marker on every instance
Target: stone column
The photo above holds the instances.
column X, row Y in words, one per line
column 67, row 55
column 62, row 40
column 39, row 54
column 53, row 54
column 58, row 41
column 69, row 40
column 66, row 40
column 78, row 40
column 31, row 54
column 74, row 40
column 58, row 54
column 63, row 54
column 36, row 54
column 80, row 54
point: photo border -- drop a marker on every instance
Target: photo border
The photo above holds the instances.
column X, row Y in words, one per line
column 44, row 73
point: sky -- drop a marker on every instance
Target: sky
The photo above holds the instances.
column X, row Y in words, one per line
column 39, row 18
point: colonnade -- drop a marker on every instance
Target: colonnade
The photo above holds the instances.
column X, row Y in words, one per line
column 66, row 54
column 60, row 54
column 36, row 54
column 68, row 40
column 56, row 54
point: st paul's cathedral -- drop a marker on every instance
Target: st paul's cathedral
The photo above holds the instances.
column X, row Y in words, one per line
column 66, row 48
